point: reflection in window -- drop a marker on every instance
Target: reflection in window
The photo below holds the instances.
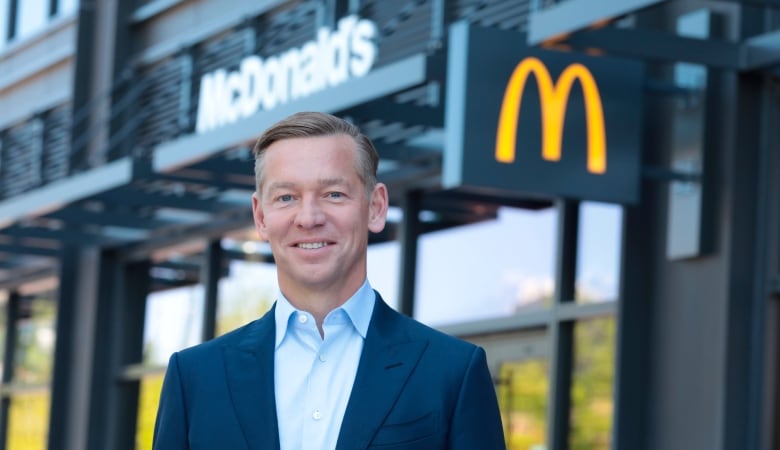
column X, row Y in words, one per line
column 245, row 295
column 31, row 16
column 174, row 320
column 522, row 397
column 592, row 381
column 34, row 357
column 487, row 270
column 598, row 255
column 148, row 400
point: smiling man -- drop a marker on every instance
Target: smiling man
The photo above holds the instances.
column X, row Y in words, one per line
column 331, row 366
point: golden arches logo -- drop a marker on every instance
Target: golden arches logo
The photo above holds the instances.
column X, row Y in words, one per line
column 554, row 99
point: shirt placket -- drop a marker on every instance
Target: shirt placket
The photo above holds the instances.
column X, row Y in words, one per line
column 315, row 413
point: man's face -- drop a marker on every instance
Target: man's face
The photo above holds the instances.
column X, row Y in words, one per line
column 314, row 211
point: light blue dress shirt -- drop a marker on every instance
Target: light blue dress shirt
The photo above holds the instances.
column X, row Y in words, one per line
column 314, row 375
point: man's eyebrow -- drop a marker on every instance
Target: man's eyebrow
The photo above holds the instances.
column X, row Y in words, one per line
column 280, row 185
column 327, row 182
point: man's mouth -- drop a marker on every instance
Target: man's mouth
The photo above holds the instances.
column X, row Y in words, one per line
column 312, row 245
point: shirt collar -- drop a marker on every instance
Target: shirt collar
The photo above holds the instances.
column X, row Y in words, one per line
column 359, row 309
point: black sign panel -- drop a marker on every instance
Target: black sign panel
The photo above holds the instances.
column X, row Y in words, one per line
column 529, row 121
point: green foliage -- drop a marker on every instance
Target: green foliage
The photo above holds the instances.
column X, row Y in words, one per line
column 522, row 397
column 591, row 391
column 523, row 392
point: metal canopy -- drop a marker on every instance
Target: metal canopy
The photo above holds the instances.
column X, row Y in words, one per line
column 199, row 187
column 590, row 25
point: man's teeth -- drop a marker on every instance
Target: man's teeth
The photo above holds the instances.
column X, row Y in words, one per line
column 312, row 245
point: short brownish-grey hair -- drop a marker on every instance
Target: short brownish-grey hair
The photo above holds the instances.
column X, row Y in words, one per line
column 315, row 124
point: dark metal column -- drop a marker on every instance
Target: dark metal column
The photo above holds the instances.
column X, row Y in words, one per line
column 210, row 273
column 118, row 343
column 67, row 314
column 747, row 294
column 11, row 318
column 411, row 228
column 634, row 321
column 562, row 333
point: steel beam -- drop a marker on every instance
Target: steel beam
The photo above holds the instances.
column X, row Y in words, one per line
column 16, row 249
column 77, row 187
column 109, row 217
column 567, row 17
column 756, row 53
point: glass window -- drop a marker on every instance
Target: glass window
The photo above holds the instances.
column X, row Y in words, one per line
column 598, row 253
column 148, row 401
column 65, row 7
column 246, row 294
column 487, row 270
column 4, row 12
column 383, row 267
column 28, row 418
column 592, row 382
column 31, row 16
column 34, row 358
column 522, row 397
column 174, row 320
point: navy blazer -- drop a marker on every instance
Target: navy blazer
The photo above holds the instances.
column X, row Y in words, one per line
column 415, row 388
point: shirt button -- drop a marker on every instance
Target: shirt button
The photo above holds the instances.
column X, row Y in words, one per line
column 323, row 358
column 317, row 415
column 303, row 318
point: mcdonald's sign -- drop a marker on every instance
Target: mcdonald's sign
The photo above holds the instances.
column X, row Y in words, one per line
column 525, row 121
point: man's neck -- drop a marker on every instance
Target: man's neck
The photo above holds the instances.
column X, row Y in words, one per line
column 318, row 302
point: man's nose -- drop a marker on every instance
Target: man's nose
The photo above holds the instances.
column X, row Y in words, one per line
column 310, row 214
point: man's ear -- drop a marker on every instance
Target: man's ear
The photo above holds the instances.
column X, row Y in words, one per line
column 377, row 208
column 259, row 217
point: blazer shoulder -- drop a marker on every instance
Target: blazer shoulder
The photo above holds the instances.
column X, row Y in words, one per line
column 416, row 330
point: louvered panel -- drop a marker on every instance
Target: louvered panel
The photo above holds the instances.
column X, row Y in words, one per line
column 504, row 14
column 404, row 27
column 222, row 52
column 22, row 156
column 159, row 103
column 286, row 28
column 56, row 144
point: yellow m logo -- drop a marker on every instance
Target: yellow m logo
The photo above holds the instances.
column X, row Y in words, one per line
column 553, row 98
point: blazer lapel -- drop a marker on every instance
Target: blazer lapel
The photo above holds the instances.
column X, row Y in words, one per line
column 387, row 360
column 250, row 376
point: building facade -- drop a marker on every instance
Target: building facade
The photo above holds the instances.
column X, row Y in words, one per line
column 588, row 189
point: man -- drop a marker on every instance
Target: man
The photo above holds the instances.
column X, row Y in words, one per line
column 331, row 366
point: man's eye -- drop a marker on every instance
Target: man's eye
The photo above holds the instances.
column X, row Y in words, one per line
column 335, row 194
column 285, row 198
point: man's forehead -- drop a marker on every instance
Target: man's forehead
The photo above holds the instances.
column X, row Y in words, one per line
column 322, row 182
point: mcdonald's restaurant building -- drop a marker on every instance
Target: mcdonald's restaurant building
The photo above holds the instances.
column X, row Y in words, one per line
column 589, row 189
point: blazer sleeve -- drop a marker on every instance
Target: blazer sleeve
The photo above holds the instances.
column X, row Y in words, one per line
column 476, row 421
column 170, row 428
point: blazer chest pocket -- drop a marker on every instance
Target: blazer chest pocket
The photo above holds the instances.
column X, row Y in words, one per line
column 407, row 432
